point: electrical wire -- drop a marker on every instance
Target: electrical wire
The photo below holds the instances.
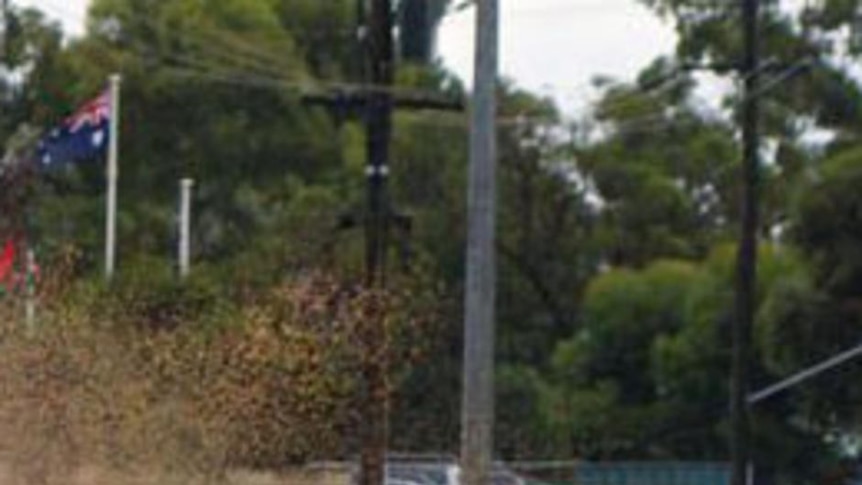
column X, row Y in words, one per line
column 581, row 8
column 255, row 82
column 244, row 47
column 211, row 54
column 271, row 76
column 236, row 49
column 184, row 67
column 193, row 67
column 656, row 122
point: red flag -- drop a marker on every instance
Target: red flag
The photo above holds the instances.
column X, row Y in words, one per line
column 7, row 261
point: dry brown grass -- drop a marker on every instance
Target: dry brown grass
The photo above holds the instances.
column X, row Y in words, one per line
column 86, row 399
column 93, row 476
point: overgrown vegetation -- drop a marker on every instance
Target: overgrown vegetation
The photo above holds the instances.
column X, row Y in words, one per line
column 266, row 384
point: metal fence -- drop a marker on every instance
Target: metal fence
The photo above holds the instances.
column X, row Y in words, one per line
column 627, row 473
column 422, row 470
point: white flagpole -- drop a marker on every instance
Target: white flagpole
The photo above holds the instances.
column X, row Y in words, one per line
column 184, row 255
column 112, row 176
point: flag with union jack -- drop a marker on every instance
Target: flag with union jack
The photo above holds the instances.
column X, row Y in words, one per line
column 82, row 136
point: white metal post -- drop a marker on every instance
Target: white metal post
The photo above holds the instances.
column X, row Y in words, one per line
column 184, row 251
column 112, row 177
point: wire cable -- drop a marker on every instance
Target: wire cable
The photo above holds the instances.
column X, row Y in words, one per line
column 272, row 77
column 236, row 49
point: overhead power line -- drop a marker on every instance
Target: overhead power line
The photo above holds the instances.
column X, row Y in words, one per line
column 806, row 375
column 244, row 64
column 217, row 63
column 237, row 50
column 223, row 43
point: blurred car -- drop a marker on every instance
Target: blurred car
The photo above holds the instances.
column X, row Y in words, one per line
column 418, row 473
column 422, row 470
column 423, row 473
column 402, row 481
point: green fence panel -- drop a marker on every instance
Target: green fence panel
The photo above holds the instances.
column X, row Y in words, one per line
column 652, row 474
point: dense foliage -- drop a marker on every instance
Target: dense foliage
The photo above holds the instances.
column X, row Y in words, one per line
column 615, row 236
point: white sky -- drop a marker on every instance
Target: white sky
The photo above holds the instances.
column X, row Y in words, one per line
column 556, row 47
column 553, row 47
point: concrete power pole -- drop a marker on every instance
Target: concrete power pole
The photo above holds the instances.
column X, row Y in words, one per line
column 478, row 392
column 746, row 277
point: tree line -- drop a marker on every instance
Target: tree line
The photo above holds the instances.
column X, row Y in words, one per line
column 616, row 224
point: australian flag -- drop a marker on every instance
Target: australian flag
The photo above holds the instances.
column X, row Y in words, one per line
column 82, row 136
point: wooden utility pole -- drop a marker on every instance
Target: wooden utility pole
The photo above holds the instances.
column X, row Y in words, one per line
column 478, row 392
column 374, row 103
column 381, row 58
column 378, row 115
column 4, row 41
column 746, row 274
column 4, row 12
column 4, row 52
